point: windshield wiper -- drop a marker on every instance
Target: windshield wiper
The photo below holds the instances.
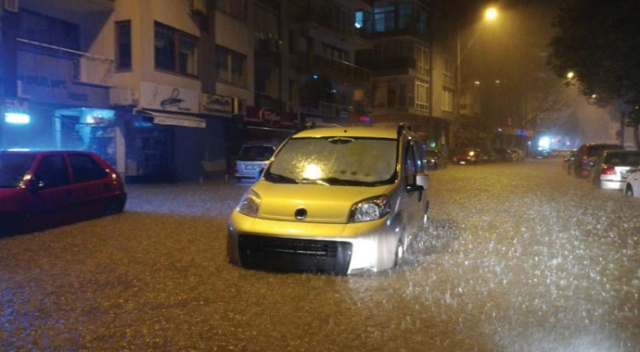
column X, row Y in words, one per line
column 270, row 176
column 312, row 181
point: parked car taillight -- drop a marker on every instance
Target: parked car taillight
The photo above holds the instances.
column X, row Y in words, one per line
column 609, row 170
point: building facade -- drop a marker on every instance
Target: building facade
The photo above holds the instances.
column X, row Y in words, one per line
column 171, row 89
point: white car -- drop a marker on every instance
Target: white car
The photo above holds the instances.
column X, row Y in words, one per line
column 611, row 168
column 632, row 185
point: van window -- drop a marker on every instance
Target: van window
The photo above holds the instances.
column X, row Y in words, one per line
column 52, row 171
column 85, row 168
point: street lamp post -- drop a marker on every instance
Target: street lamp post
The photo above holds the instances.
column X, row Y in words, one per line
column 490, row 14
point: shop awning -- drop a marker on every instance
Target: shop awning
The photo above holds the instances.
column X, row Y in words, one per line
column 163, row 118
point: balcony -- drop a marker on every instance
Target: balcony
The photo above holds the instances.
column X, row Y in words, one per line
column 391, row 65
column 318, row 64
column 324, row 13
column 85, row 67
column 75, row 6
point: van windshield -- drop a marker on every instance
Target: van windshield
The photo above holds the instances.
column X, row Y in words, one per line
column 335, row 161
column 13, row 168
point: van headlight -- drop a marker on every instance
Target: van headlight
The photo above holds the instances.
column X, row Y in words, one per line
column 249, row 204
column 370, row 209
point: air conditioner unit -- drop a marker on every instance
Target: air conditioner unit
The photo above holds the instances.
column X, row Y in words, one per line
column 11, row 5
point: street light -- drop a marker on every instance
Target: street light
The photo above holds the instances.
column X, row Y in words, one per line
column 490, row 14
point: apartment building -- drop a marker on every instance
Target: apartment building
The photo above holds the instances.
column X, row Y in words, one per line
column 170, row 89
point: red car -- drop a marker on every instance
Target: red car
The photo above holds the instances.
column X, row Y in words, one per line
column 42, row 189
column 470, row 156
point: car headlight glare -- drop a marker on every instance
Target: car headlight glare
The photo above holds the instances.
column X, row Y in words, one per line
column 370, row 209
column 249, row 204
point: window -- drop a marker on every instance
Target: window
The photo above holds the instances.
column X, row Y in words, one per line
column 175, row 51
column 231, row 66
column 384, row 19
column 123, row 45
column 411, row 167
column 447, row 99
column 422, row 95
column 235, row 8
column 52, row 171
column 405, row 15
column 359, row 21
column 392, row 95
column 449, row 70
column 85, row 168
column 422, row 59
column 334, row 53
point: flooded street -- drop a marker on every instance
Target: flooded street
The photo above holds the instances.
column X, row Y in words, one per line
column 517, row 257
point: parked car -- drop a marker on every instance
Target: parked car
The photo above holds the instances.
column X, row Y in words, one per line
column 502, row 155
column 609, row 171
column 333, row 200
column 470, row 156
column 517, row 154
column 252, row 160
column 541, row 154
column 434, row 159
column 584, row 157
column 568, row 160
column 42, row 189
column 632, row 183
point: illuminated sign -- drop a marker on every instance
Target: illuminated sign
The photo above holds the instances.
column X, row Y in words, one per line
column 17, row 118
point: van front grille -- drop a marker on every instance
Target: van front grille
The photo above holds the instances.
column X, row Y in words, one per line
column 294, row 255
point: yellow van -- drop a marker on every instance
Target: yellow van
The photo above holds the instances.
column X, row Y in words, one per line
column 336, row 200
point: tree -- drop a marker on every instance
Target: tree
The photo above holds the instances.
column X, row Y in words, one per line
column 598, row 41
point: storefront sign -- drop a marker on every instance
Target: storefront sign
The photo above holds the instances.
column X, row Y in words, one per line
column 269, row 117
column 216, row 104
column 52, row 80
column 16, row 105
column 168, row 98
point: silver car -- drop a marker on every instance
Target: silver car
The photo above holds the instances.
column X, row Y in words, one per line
column 252, row 160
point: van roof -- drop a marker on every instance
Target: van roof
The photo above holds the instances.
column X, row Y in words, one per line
column 349, row 131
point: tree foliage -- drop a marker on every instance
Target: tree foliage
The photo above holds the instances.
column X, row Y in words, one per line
column 599, row 41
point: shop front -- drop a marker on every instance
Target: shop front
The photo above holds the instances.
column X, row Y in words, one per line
column 53, row 110
column 170, row 136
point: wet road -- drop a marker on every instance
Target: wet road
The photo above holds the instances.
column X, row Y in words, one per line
column 518, row 257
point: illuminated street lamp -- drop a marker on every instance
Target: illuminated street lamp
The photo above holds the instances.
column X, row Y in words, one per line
column 490, row 14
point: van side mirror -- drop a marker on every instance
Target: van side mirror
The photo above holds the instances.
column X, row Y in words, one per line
column 421, row 183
